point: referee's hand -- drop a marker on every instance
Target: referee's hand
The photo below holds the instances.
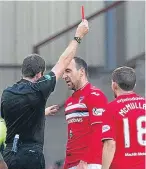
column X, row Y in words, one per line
column 82, row 29
column 52, row 110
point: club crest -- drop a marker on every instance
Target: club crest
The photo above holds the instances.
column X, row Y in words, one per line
column 81, row 98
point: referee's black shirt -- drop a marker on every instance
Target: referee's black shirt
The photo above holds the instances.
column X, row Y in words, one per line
column 23, row 107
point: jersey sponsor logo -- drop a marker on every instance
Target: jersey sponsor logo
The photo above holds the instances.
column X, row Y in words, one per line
column 97, row 112
column 75, row 120
column 130, row 99
column 136, row 154
column 105, row 128
column 95, row 93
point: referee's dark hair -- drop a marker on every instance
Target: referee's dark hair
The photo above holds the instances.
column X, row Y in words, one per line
column 125, row 77
column 32, row 65
column 80, row 63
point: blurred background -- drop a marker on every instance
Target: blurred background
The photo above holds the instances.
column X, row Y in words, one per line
column 116, row 38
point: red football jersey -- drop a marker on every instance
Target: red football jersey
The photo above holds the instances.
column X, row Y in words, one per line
column 83, row 109
column 125, row 122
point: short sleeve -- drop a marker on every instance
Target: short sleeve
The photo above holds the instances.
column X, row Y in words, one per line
column 46, row 84
column 108, row 127
column 96, row 103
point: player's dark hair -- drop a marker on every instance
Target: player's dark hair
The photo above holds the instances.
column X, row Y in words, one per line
column 80, row 63
column 125, row 77
column 32, row 65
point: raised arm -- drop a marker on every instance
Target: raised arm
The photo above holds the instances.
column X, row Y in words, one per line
column 70, row 51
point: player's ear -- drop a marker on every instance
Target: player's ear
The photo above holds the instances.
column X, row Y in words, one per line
column 114, row 86
column 82, row 71
column 38, row 75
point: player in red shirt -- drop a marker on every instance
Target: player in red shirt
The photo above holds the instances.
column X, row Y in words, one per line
column 83, row 111
column 124, row 124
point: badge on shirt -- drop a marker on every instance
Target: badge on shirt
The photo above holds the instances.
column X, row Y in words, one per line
column 105, row 128
column 97, row 111
column 81, row 98
column 48, row 77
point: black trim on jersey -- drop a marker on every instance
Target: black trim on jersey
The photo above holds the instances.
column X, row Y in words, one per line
column 77, row 111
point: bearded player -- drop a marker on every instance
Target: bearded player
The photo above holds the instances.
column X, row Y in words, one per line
column 83, row 111
column 124, row 124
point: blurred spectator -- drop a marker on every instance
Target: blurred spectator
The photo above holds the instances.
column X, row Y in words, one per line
column 2, row 134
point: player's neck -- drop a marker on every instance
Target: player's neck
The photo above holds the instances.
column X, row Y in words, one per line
column 82, row 84
column 33, row 80
column 122, row 92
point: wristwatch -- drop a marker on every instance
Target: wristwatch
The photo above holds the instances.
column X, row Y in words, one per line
column 77, row 39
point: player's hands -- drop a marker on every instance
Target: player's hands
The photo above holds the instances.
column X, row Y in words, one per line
column 82, row 165
column 51, row 110
column 82, row 29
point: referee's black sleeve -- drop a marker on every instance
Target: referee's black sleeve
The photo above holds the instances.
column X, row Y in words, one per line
column 1, row 158
column 46, row 84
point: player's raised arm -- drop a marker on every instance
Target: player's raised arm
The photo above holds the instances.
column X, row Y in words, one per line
column 70, row 51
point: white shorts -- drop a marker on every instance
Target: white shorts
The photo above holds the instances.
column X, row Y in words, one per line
column 91, row 166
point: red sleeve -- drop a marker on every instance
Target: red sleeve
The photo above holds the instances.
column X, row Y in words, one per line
column 96, row 103
column 108, row 126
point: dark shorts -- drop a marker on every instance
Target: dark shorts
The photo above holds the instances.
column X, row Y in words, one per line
column 27, row 157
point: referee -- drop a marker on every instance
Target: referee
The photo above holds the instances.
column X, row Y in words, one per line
column 23, row 107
